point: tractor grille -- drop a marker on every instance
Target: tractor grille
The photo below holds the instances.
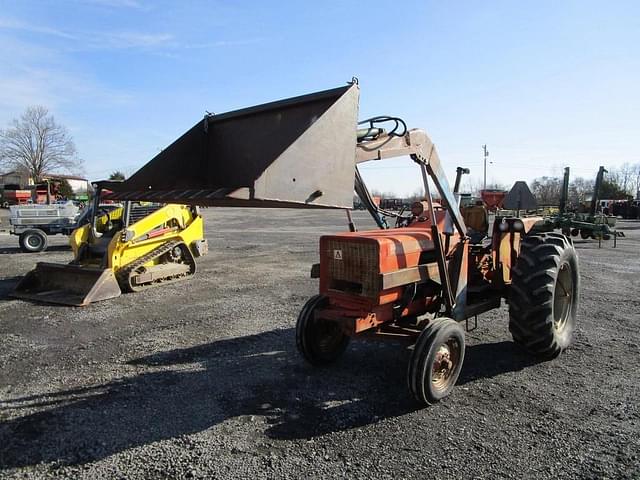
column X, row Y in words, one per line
column 352, row 266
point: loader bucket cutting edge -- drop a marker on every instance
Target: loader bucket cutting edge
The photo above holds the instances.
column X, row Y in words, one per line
column 67, row 284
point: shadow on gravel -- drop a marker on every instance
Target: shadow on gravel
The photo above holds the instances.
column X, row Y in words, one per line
column 256, row 380
column 52, row 248
column 488, row 360
column 6, row 286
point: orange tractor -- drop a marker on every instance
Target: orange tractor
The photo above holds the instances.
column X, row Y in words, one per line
column 418, row 280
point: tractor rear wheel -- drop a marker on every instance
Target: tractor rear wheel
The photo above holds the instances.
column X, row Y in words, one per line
column 543, row 297
column 320, row 341
column 436, row 361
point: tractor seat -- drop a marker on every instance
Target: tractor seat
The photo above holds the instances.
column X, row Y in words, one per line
column 101, row 245
column 476, row 219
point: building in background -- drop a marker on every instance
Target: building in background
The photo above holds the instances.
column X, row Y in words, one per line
column 18, row 188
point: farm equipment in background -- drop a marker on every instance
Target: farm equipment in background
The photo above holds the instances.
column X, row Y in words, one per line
column 118, row 249
column 493, row 198
column 592, row 224
column 416, row 281
column 15, row 197
column 627, row 209
column 33, row 223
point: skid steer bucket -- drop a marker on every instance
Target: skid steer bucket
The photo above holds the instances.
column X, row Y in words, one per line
column 298, row 152
column 67, row 284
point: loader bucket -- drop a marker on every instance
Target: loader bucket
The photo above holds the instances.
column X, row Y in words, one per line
column 67, row 284
column 298, row 152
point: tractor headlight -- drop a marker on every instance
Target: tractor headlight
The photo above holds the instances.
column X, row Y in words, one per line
column 518, row 226
column 504, row 226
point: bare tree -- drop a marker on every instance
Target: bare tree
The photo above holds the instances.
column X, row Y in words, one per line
column 579, row 190
column 475, row 186
column 547, row 190
column 626, row 174
column 636, row 180
column 36, row 145
column 417, row 195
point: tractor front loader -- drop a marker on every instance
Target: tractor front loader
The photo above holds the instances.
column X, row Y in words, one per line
column 126, row 249
column 417, row 281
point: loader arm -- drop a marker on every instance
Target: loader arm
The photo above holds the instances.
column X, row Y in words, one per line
column 416, row 144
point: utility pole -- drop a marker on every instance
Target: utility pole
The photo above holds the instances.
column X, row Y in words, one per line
column 486, row 154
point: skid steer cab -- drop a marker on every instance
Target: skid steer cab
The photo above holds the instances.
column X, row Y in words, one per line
column 126, row 248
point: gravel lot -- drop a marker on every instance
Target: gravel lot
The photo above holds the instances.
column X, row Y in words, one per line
column 202, row 379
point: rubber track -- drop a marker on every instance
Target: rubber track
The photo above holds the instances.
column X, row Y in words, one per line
column 124, row 274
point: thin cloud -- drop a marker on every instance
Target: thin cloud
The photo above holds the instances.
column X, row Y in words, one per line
column 222, row 43
column 125, row 40
column 12, row 24
column 120, row 40
column 117, row 3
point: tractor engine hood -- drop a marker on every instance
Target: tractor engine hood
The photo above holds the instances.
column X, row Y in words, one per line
column 298, row 152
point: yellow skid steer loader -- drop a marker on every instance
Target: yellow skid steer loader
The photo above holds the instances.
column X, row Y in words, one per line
column 127, row 249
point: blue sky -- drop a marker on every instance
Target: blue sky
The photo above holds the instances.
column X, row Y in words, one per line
column 545, row 84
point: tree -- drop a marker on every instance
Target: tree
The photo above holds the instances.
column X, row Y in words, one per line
column 117, row 175
column 64, row 189
column 476, row 186
column 36, row 145
column 547, row 190
column 612, row 191
column 636, row 181
column 579, row 189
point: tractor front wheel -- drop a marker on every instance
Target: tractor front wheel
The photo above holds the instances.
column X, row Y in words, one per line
column 543, row 297
column 320, row 341
column 436, row 361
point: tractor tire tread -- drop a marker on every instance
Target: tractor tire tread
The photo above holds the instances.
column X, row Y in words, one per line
column 531, row 293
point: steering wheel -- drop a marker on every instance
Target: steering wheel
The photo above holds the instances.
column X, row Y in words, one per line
column 402, row 221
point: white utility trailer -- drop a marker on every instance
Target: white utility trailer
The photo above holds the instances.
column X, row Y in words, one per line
column 34, row 222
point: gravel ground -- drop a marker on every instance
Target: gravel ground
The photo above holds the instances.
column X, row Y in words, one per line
column 201, row 379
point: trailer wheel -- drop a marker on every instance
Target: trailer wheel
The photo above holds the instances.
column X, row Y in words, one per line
column 33, row 240
column 574, row 232
column 585, row 234
column 320, row 341
column 436, row 361
column 543, row 298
